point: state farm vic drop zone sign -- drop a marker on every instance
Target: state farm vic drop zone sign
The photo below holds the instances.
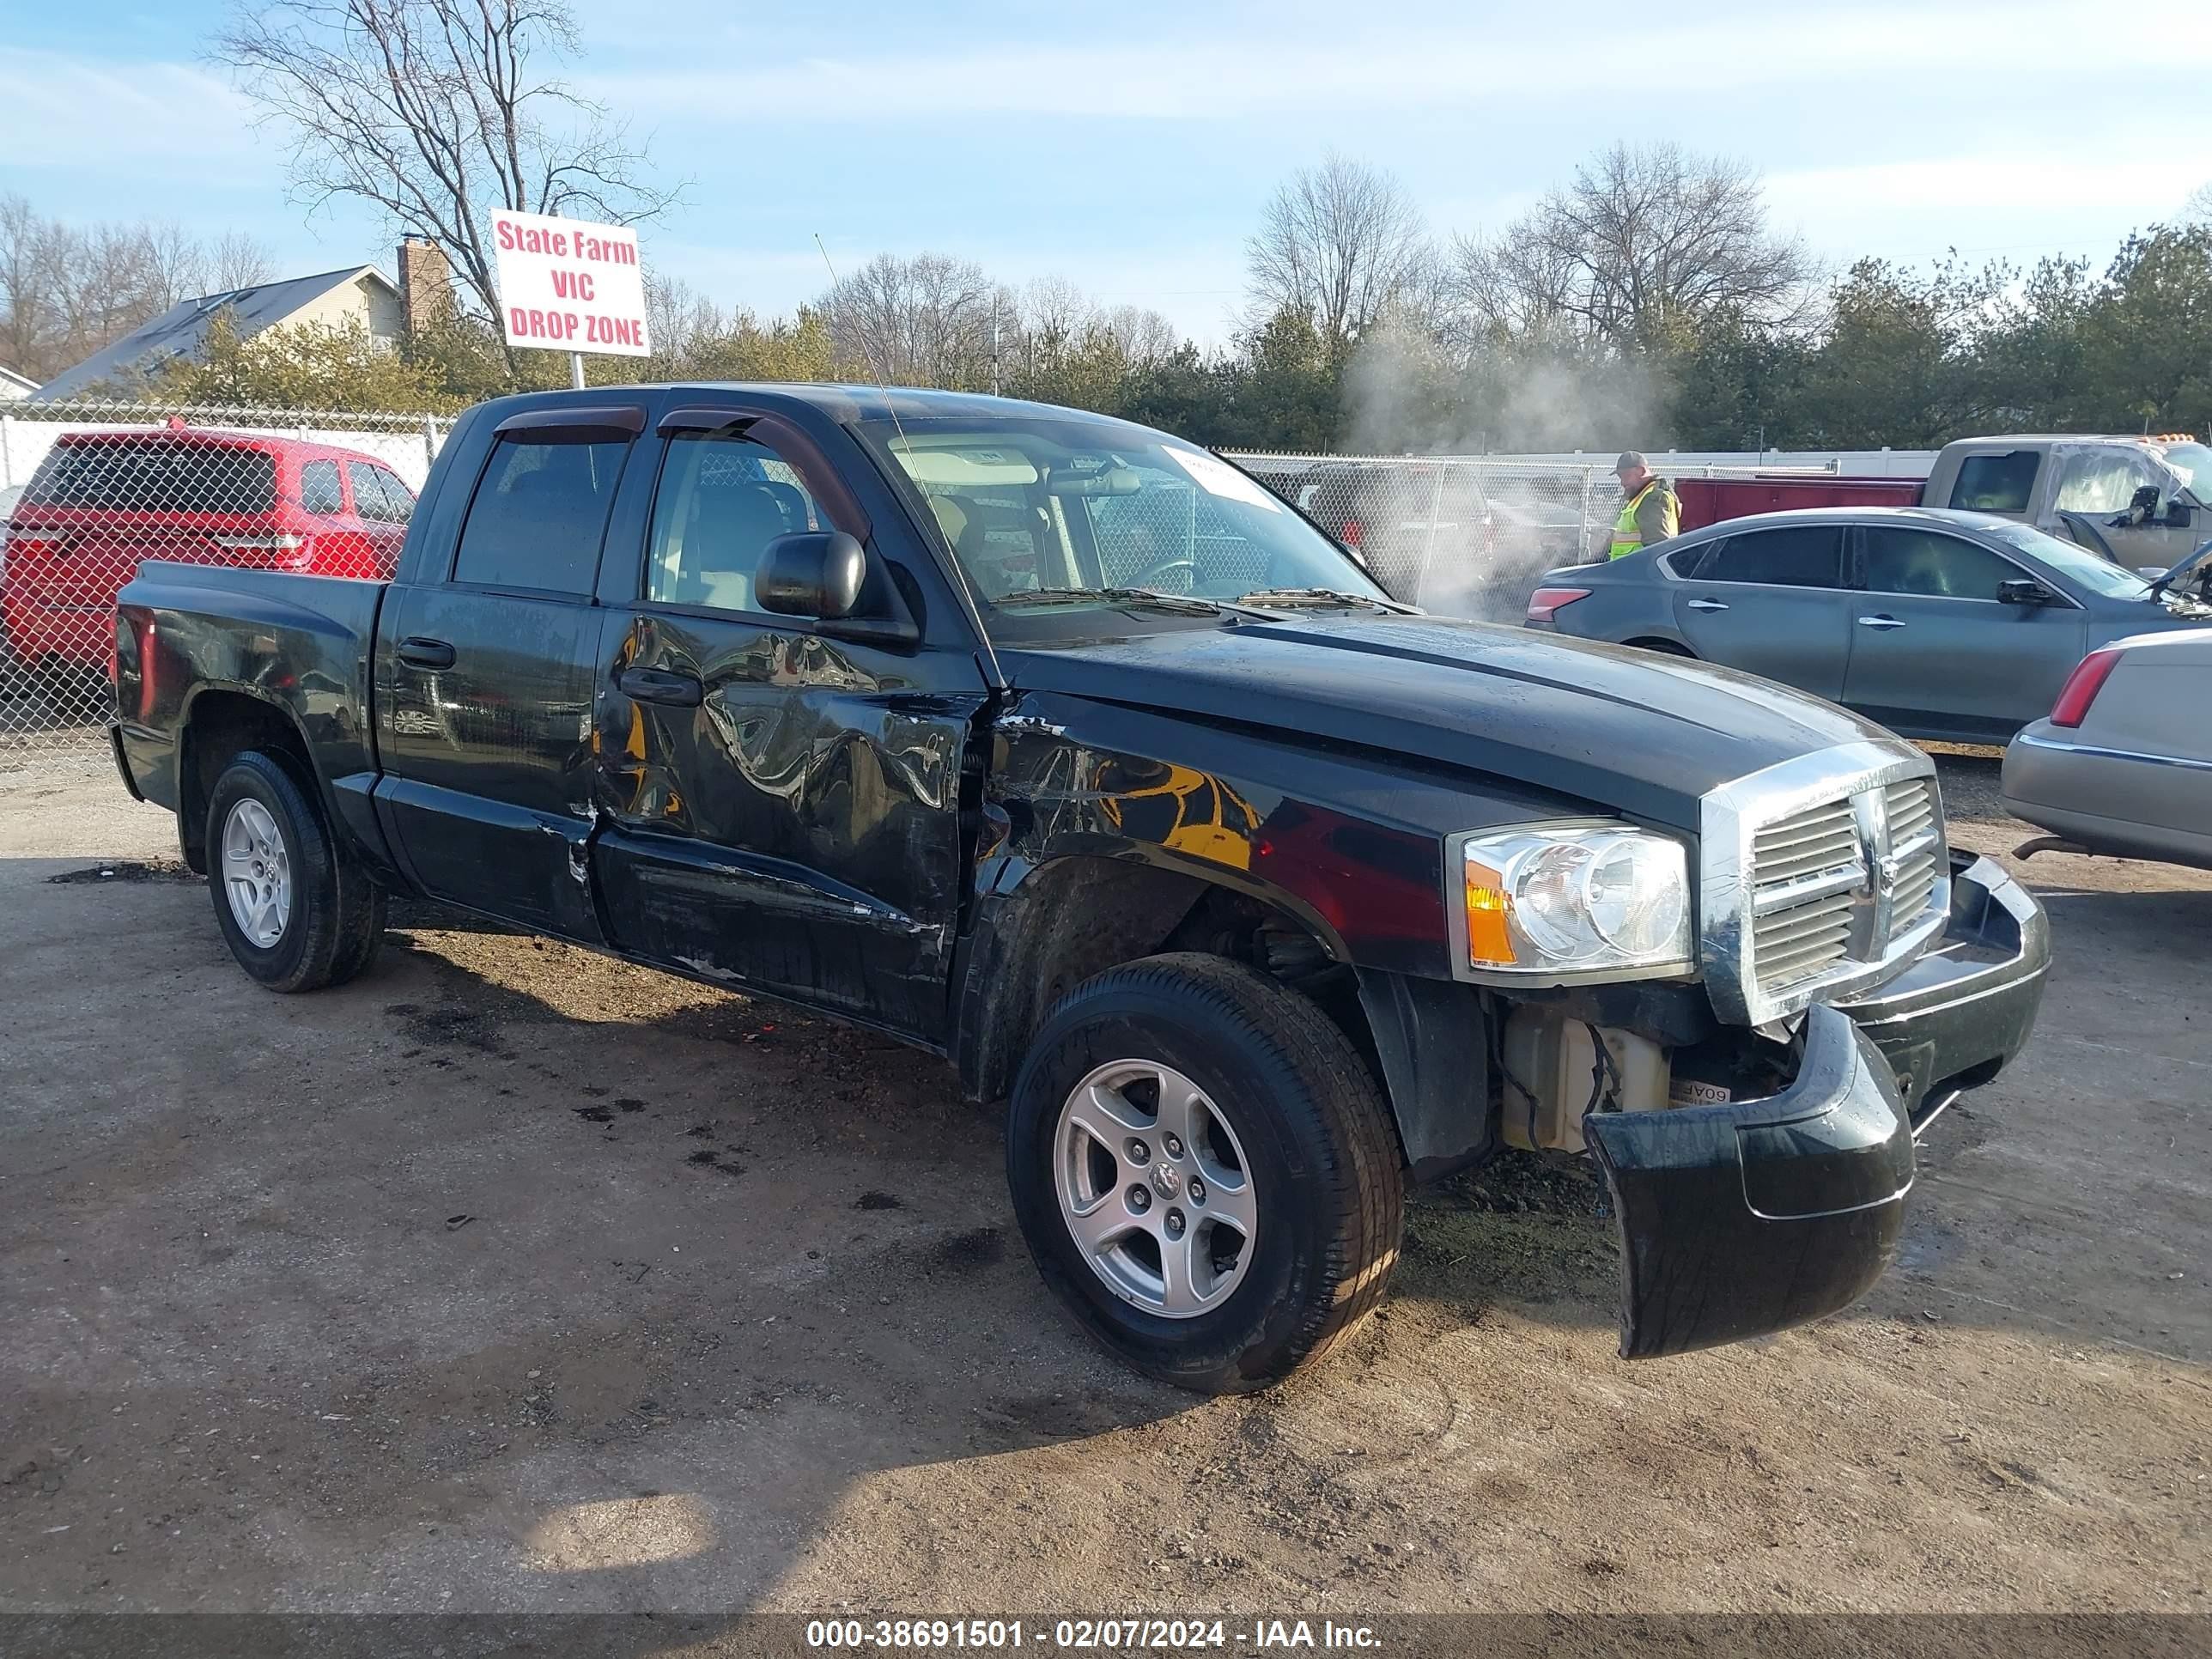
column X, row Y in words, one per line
column 569, row 284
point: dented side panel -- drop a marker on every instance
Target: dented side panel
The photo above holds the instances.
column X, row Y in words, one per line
column 800, row 831
column 1350, row 846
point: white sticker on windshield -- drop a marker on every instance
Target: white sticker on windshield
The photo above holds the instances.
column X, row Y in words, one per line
column 1217, row 478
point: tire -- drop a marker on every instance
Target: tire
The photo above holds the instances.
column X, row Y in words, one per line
column 1664, row 648
column 331, row 924
column 1290, row 1110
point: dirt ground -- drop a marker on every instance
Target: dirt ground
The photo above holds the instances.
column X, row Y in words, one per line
column 508, row 1279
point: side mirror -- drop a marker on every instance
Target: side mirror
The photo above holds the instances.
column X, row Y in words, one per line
column 2025, row 590
column 812, row 572
column 2178, row 516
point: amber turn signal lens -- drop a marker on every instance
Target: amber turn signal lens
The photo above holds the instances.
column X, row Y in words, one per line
column 1489, row 941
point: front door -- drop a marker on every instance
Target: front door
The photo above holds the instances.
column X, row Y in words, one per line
column 1933, row 651
column 2108, row 485
column 484, row 680
column 782, row 807
column 1771, row 602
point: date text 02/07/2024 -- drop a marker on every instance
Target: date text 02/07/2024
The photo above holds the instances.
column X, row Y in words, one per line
column 1110, row 1635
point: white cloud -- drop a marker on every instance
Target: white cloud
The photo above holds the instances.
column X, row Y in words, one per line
column 62, row 110
column 2015, row 205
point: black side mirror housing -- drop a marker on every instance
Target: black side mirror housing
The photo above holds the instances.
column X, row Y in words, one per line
column 2178, row 514
column 2024, row 591
column 812, row 572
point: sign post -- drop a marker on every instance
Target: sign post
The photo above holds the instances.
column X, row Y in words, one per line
column 569, row 285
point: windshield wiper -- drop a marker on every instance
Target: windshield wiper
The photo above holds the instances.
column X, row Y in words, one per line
column 1316, row 599
column 1180, row 602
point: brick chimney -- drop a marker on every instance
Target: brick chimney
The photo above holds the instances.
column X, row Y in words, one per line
column 425, row 282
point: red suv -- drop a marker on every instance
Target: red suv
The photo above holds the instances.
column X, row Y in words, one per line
column 102, row 501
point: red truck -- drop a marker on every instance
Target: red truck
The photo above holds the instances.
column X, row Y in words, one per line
column 102, row 503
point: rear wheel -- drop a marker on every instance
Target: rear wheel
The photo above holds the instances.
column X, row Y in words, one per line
column 1205, row 1172
column 297, row 911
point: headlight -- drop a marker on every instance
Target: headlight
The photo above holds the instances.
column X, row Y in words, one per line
column 1576, row 899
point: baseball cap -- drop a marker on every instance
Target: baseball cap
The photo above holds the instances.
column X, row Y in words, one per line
column 1630, row 460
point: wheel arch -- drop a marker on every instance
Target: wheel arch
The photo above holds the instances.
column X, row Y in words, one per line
column 219, row 724
column 1663, row 644
column 1076, row 915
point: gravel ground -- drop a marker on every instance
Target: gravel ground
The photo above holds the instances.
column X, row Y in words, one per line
column 508, row 1279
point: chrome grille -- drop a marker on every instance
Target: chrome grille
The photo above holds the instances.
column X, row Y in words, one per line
column 1916, row 846
column 1821, row 876
column 1809, row 876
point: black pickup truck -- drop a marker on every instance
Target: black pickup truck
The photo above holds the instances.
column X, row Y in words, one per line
column 1061, row 748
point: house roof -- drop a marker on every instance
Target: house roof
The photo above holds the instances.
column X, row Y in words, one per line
column 11, row 378
column 181, row 330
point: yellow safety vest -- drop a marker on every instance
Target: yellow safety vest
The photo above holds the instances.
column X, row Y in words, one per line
column 1625, row 537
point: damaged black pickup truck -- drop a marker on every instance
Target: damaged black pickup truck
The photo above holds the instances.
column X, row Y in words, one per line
column 1062, row 749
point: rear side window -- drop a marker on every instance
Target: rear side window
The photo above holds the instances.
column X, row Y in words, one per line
column 1996, row 483
column 1932, row 565
column 1804, row 555
column 157, row 476
column 319, row 490
column 539, row 515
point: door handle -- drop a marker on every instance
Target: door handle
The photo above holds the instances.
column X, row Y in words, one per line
column 664, row 685
column 1882, row 622
column 419, row 653
column 1707, row 605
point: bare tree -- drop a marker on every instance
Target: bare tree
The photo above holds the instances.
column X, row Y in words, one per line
column 2198, row 209
column 66, row 290
column 1142, row 335
column 437, row 113
column 928, row 320
column 1337, row 242
column 1641, row 239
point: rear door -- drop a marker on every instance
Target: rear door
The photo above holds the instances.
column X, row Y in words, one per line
column 1771, row 602
column 782, row 806
column 486, row 669
column 1933, row 652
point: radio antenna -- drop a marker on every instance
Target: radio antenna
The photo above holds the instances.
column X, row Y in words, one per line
column 874, row 368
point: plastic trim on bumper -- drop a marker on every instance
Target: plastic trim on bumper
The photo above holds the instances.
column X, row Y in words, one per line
column 122, row 761
column 1961, row 1013
column 1741, row 1219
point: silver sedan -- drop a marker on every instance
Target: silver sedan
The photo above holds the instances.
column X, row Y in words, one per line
column 2123, row 763
column 1959, row 627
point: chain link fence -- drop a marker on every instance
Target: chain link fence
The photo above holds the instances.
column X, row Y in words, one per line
column 87, row 491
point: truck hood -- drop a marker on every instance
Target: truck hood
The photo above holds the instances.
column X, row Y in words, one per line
column 1638, row 733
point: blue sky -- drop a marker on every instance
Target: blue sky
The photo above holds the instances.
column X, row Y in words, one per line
column 1129, row 146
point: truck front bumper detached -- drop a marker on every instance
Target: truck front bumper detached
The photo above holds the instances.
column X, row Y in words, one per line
column 1747, row 1218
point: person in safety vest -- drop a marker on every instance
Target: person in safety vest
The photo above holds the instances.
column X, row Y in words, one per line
column 1648, row 511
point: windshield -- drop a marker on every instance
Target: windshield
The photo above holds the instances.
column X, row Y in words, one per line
column 2194, row 463
column 2077, row 564
column 1049, row 511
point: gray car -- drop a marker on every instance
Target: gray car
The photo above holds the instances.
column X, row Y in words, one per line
column 2123, row 763
column 1959, row 627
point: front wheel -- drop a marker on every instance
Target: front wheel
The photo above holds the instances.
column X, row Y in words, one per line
column 1205, row 1172
column 296, row 909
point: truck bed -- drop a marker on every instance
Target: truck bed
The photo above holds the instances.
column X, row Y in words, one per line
column 303, row 643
